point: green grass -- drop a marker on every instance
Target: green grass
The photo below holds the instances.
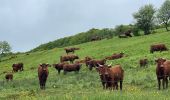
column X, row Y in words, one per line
column 139, row 83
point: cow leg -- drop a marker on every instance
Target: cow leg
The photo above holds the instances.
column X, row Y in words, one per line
column 159, row 83
column 163, row 83
column 58, row 71
column 121, row 82
column 166, row 82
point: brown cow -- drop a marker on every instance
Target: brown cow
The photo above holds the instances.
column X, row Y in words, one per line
column 71, row 67
column 158, row 47
column 71, row 49
column 70, row 58
column 115, row 56
column 143, row 62
column 94, row 63
column 162, row 71
column 59, row 66
column 18, row 66
column 111, row 76
column 9, row 76
column 43, row 74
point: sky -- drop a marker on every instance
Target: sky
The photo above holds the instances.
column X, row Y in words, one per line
column 26, row 24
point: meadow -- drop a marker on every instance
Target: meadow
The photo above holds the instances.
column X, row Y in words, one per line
column 139, row 83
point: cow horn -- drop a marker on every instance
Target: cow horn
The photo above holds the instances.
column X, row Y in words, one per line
column 99, row 65
column 110, row 64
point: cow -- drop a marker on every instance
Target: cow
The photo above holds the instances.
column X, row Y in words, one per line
column 9, row 76
column 158, row 47
column 59, row 66
column 111, row 76
column 18, row 66
column 95, row 38
column 94, row 63
column 128, row 33
column 115, row 56
column 162, row 72
column 71, row 67
column 70, row 58
column 43, row 74
column 143, row 62
column 68, row 50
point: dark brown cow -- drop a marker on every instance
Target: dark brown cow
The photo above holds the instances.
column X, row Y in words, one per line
column 19, row 66
column 111, row 76
column 128, row 33
column 70, row 58
column 68, row 50
column 158, row 47
column 9, row 76
column 59, row 66
column 43, row 74
column 143, row 62
column 115, row 56
column 162, row 72
column 94, row 63
column 71, row 67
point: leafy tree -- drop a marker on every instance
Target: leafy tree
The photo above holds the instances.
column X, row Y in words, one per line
column 145, row 18
column 164, row 14
column 4, row 47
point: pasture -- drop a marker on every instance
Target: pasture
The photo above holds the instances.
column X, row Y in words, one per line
column 139, row 83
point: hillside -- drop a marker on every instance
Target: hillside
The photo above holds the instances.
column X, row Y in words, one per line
column 139, row 83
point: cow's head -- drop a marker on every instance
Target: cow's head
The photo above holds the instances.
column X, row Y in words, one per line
column 160, row 62
column 44, row 66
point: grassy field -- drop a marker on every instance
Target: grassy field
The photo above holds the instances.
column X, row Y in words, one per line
column 139, row 83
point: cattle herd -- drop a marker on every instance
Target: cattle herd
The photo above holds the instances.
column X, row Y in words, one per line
column 109, row 75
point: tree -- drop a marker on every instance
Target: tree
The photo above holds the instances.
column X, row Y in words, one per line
column 4, row 47
column 164, row 14
column 145, row 18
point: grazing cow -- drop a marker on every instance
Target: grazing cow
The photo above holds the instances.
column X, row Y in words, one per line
column 80, row 61
column 43, row 74
column 115, row 56
column 94, row 63
column 59, row 66
column 70, row 58
column 95, row 38
column 111, row 76
column 71, row 49
column 128, row 33
column 19, row 66
column 158, row 47
column 71, row 67
column 162, row 72
column 143, row 62
column 9, row 76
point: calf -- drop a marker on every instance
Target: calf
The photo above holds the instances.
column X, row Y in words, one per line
column 9, row 76
column 162, row 71
column 158, row 47
column 71, row 67
column 43, row 74
column 143, row 62
column 59, row 66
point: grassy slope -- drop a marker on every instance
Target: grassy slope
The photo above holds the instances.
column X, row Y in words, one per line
column 139, row 83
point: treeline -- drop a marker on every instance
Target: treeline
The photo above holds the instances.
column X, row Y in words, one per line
column 147, row 18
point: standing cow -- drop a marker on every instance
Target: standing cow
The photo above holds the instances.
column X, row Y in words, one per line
column 59, row 66
column 94, row 63
column 162, row 72
column 71, row 67
column 68, row 50
column 43, row 74
column 111, row 76
column 18, row 66
column 70, row 58
column 158, row 47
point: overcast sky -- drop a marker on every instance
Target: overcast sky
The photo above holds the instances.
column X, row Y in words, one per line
column 25, row 24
